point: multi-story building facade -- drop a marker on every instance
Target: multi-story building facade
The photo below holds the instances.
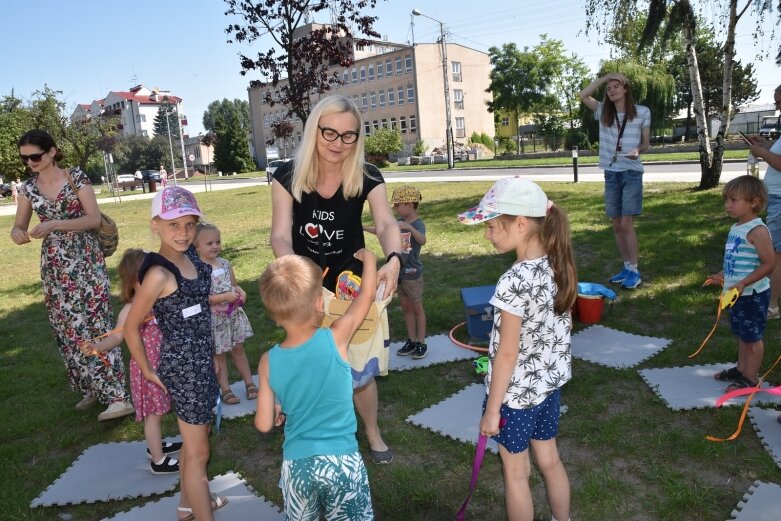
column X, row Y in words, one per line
column 400, row 87
column 136, row 109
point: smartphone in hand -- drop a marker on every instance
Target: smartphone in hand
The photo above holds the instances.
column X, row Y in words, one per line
column 745, row 138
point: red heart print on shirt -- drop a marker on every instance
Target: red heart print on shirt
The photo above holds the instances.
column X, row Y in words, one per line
column 313, row 230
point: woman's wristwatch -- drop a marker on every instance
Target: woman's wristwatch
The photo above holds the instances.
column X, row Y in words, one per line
column 397, row 255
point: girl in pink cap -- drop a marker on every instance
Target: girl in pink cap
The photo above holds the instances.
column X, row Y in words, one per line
column 529, row 349
column 175, row 284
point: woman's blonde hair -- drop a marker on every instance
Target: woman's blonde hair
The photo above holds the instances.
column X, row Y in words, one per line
column 289, row 288
column 306, row 166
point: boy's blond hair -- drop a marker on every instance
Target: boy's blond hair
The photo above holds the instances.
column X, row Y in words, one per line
column 289, row 288
column 748, row 188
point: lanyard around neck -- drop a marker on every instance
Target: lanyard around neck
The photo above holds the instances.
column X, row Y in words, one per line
column 621, row 128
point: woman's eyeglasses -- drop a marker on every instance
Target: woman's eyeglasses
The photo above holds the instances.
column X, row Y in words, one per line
column 32, row 157
column 329, row 134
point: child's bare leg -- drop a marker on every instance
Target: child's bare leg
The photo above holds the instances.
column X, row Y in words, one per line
column 755, row 352
column 222, row 375
column 742, row 352
column 546, row 455
column 154, row 436
column 194, row 483
column 420, row 320
column 239, row 357
column 409, row 318
column 518, row 496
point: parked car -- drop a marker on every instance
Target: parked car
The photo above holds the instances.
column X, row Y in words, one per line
column 151, row 175
column 272, row 167
column 127, row 181
column 5, row 190
column 769, row 128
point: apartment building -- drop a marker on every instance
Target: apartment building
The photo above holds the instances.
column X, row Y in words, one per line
column 398, row 87
column 136, row 109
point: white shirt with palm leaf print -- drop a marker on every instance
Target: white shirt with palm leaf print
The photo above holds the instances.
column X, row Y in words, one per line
column 544, row 364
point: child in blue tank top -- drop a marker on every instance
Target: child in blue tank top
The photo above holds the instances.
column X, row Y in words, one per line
column 308, row 374
column 748, row 260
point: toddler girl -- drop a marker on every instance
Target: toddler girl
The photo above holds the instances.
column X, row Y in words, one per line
column 150, row 401
column 229, row 322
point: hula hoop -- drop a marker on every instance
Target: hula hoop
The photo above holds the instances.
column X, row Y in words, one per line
column 465, row 346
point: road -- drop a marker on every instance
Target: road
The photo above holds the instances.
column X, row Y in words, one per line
column 668, row 173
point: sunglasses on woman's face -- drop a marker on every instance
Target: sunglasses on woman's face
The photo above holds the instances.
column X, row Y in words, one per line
column 32, row 157
column 329, row 134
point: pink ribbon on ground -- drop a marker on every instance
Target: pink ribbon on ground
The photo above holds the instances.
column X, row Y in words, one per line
column 745, row 391
column 482, row 440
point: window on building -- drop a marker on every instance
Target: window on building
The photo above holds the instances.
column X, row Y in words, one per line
column 393, row 124
column 371, row 72
column 505, row 121
column 413, row 123
column 403, row 124
column 380, row 70
column 400, row 94
column 376, row 124
column 460, row 128
column 365, row 101
column 345, row 76
column 367, row 127
column 399, row 68
column 363, row 74
column 391, row 97
column 458, row 98
column 373, row 100
column 355, row 75
column 382, row 99
column 456, row 71
column 408, row 62
column 410, row 93
column 266, row 121
column 388, row 67
column 356, row 100
column 384, row 123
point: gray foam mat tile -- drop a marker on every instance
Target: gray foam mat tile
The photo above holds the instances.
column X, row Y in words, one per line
column 612, row 348
column 762, row 502
column 457, row 417
column 768, row 429
column 440, row 350
column 693, row 387
column 243, row 504
column 118, row 470
column 244, row 407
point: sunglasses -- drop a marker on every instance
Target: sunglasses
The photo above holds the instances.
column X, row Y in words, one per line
column 329, row 134
column 32, row 157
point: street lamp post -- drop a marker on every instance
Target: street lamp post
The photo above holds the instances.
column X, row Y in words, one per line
column 448, row 127
column 170, row 145
column 181, row 139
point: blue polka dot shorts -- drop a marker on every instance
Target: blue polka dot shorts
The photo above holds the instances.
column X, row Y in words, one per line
column 540, row 422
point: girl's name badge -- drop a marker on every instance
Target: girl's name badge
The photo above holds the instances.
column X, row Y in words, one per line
column 192, row 310
column 218, row 272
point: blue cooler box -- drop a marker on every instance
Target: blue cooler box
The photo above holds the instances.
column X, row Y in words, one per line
column 479, row 313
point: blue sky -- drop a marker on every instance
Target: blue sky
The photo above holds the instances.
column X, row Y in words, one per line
column 85, row 48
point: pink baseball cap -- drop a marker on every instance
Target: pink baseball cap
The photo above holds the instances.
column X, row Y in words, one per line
column 172, row 202
column 510, row 196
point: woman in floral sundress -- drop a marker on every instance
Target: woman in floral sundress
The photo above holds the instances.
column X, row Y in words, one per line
column 73, row 271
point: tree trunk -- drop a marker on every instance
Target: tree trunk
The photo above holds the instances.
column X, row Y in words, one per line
column 706, row 179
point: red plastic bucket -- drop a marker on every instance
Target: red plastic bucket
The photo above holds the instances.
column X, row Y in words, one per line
column 589, row 308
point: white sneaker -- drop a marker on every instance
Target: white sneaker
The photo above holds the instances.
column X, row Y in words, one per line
column 773, row 312
column 116, row 410
column 86, row 403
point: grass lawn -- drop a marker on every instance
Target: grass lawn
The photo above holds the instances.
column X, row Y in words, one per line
column 628, row 456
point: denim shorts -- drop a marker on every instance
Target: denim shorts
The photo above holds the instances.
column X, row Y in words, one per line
column 623, row 193
column 540, row 422
column 748, row 316
column 774, row 220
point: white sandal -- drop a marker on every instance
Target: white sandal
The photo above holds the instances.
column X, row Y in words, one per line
column 217, row 503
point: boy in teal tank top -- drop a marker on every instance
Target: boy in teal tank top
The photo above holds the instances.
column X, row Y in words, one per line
column 748, row 260
column 308, row 374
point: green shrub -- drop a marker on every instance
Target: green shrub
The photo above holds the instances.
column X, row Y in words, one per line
column 419, row 149
column 475, row 138
column 576, row 138
column 486, row 140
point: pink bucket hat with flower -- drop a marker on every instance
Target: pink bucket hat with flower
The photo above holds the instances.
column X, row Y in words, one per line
column 173, row 202
column 511, row 196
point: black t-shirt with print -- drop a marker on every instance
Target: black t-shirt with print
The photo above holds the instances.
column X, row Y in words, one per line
column 329, row 227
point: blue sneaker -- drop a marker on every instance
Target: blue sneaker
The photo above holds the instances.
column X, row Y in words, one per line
column 632, row 280
column 619, row 277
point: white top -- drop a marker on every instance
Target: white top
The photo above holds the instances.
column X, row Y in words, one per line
column 772, row 176
column 631, row 139
column 544, row 363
